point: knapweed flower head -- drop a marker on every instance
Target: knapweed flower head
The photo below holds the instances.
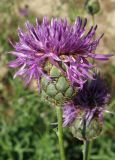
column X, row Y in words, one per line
column 65, row 46
column 23, row 11
column 87, row 107
column 92, row 6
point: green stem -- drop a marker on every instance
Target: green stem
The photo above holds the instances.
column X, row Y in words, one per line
column 93, row 22
column 60, row 133
column 87, row 150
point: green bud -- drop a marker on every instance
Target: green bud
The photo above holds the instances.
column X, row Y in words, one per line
column 57, row 90
column 84, row 131
column 92, row 6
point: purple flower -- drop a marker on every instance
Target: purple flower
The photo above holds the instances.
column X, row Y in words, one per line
column 59, row 43
column 69, row 113
column 91, row 99
column 24, row 11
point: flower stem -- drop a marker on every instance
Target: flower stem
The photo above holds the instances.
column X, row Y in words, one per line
column 87, row 150
column 60, row 133
column 93, row 20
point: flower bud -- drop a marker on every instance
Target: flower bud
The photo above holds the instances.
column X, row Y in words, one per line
column 84, row 113
column 92, row 6
column 58, row 89
column 84, row 130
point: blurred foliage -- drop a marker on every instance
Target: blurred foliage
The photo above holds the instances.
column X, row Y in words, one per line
column 26, row 132
column 24, row 126
column 5, row 5
column 74, row 9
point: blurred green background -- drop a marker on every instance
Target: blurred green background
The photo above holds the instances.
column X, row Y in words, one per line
column 26, row 130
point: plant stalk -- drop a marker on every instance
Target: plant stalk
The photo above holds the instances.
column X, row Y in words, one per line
column 87, row 150
column 93, row 22
column 94, row 37
column 93, row 19
column 60, row 133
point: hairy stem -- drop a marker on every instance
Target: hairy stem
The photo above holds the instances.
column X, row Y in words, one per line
column 60, row 133
column 87, row 150
column 93, row 22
